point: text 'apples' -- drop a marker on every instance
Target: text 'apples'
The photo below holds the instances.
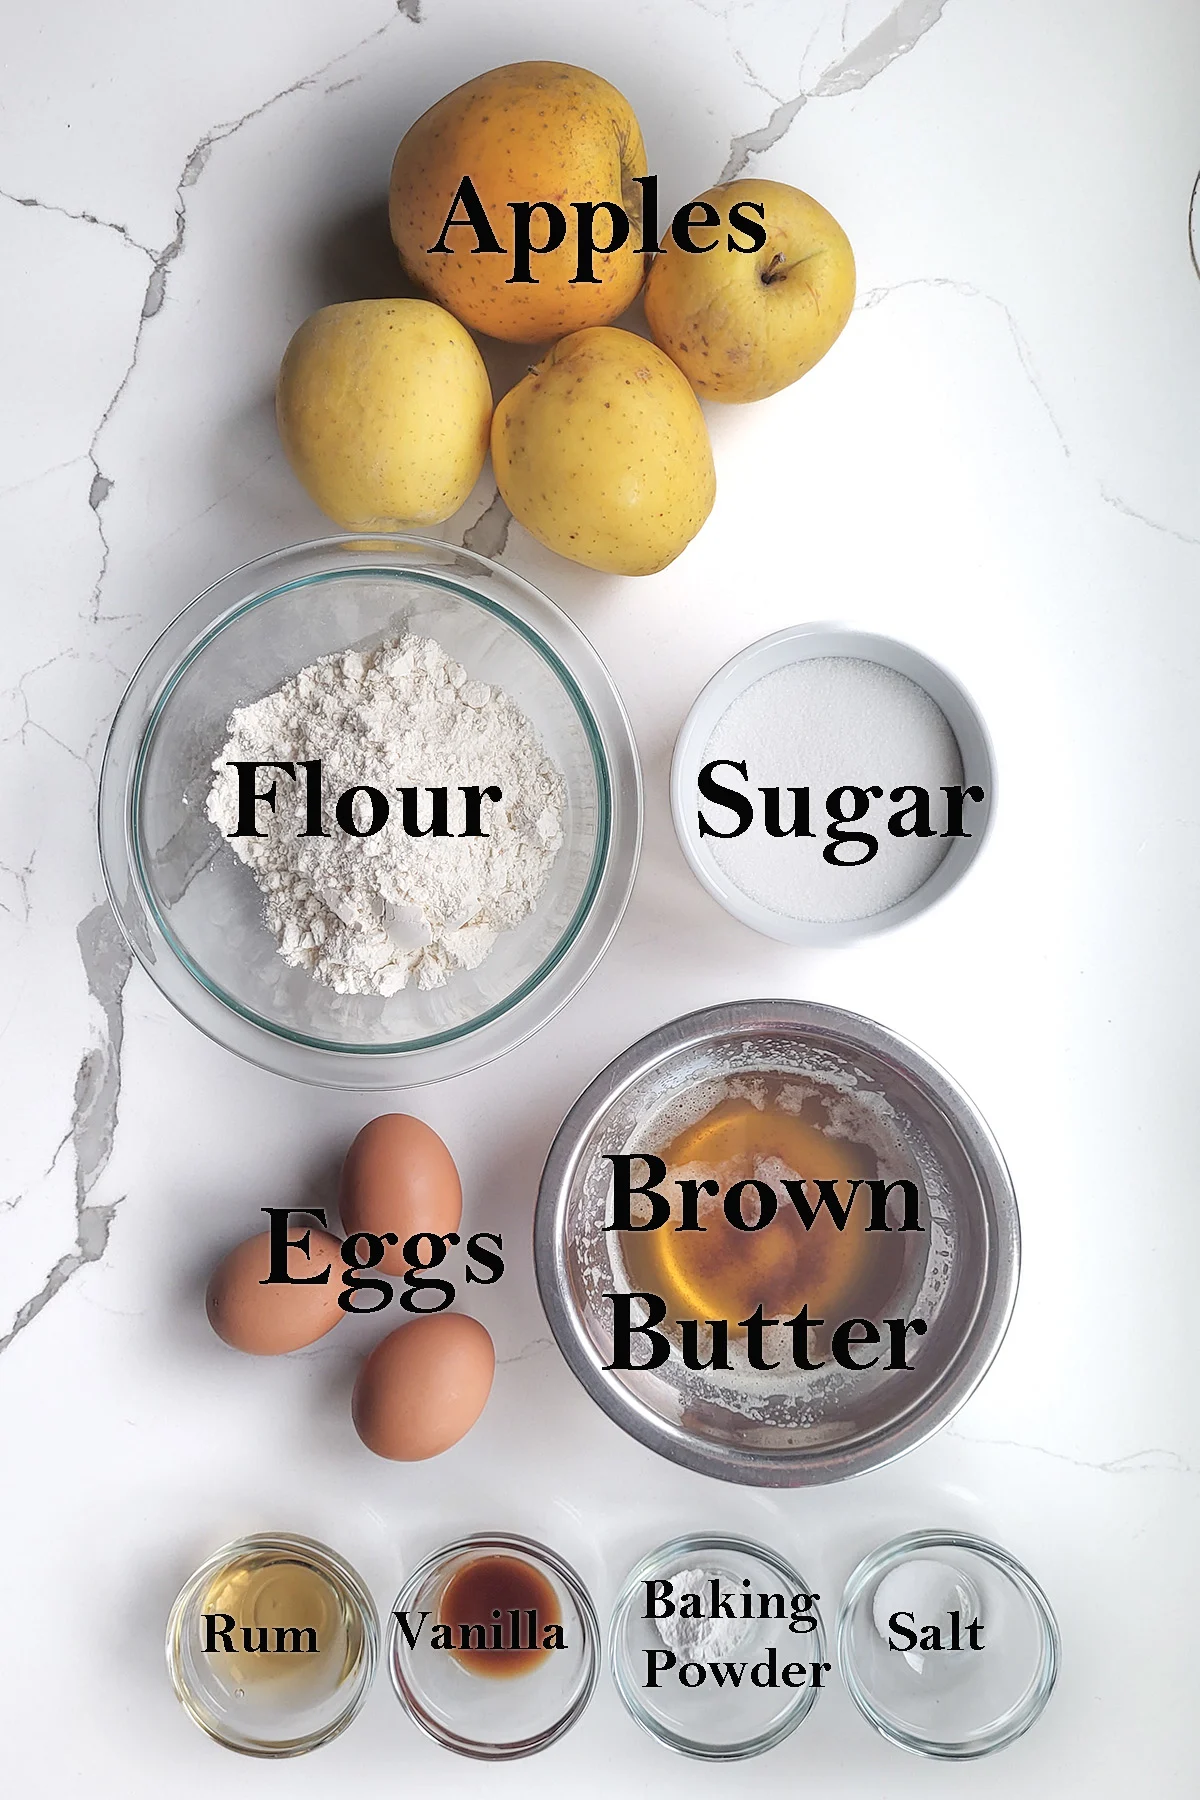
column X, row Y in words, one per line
column 530, row 135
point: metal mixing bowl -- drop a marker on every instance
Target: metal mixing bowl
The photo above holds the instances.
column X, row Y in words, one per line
column 961, row 1276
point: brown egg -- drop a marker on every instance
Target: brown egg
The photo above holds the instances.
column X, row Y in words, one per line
column 398, row 1176
column 267, row 1321
column 423, row 1387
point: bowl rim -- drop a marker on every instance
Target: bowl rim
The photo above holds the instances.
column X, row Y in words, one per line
column 756, row 1466
column 698, row 1543
column 338, row 1570
column 178, row 647
column 1010, row 1726
column 808, row 642
column 549, row 1560
column 570, row 931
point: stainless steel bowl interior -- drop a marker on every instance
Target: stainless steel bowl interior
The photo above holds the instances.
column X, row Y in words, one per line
column 960, row 1275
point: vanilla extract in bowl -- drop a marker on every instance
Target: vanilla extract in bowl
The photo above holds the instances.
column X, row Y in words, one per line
column 493, row 1647
column 501, row 1615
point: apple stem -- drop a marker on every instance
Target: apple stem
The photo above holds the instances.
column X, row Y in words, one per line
column 769, row 273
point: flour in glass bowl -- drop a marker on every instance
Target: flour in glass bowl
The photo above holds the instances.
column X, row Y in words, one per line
column 372, row 914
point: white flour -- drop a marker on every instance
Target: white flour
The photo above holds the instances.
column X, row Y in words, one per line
column 823, row 723
column 368, row 915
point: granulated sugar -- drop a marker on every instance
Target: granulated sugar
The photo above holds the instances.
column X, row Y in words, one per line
column 827, row 723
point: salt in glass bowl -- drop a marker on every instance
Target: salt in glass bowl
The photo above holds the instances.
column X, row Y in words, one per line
column 957, row 1704
column 192, row 911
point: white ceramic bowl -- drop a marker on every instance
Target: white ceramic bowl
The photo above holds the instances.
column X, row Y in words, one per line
column 802, row 643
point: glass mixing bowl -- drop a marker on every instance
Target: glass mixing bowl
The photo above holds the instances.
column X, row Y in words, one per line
column 958, row 1274
column 192, row 911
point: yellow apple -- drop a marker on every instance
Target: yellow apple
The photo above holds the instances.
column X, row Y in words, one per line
column 534, row 133
column 603, row 454
column 744, row 320
column 383, row 407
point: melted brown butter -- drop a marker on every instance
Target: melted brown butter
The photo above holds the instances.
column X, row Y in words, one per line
column 722, row 1272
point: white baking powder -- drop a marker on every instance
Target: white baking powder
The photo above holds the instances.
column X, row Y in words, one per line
column 700, row 1639
column 827, row 723
column 368, row 915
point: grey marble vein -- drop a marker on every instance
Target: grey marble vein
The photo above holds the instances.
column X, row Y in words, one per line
column 18, row 689
column 60, row 743
column 894, row 36
column 1135, row 1462
column 82, row 218
column 1131, row 512
column 106, row 959
column 743, row 63
column 753, row 143
column 488, row 536
column 20, row 878
column 967, row 291
column 161, row 260
column 533, row 1348
column 26, row 481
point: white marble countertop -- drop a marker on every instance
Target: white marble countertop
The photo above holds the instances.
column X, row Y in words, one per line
column 998, row 462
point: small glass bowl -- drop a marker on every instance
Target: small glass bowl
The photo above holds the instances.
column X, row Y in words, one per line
column 192, row 912
column 958, row 1704
column 494, row 1720
column 716, row 1723
column 298, row 1708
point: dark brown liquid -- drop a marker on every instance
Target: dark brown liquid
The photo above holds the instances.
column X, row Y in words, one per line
column 509, row 1603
